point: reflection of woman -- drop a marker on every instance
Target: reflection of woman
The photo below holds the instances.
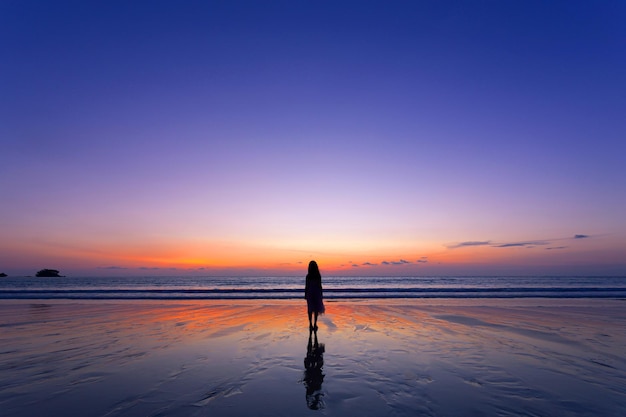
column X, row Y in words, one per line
column 313, row 294
column 313, row 376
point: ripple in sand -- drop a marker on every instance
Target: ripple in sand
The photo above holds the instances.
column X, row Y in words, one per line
column 217, row 393
column 473, row 382
column 229, row 330
column 597, row 362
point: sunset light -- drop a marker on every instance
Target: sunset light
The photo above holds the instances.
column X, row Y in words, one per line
column 430, row 140
column 312, row 208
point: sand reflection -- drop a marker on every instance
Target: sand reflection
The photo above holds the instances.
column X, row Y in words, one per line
column 388, row 357
column 313, row 372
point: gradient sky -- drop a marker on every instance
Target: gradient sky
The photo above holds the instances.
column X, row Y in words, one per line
column 378, row 137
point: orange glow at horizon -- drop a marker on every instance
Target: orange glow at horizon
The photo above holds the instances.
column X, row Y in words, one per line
column 186, row 254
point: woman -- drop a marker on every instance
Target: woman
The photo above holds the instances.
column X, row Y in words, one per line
column 313, row 294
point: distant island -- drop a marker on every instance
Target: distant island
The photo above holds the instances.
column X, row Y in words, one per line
column 2, row 275
column 48, row 273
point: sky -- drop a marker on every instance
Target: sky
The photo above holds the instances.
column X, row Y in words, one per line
column 376, row 137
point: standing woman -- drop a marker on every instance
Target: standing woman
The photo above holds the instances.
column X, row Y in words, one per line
column 313, row 294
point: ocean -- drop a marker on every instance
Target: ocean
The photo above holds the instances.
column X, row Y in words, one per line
column 273, row 287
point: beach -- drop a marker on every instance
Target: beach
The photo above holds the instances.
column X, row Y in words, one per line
column 385, row 357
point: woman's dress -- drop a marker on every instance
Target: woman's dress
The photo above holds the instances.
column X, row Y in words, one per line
column 313, row 295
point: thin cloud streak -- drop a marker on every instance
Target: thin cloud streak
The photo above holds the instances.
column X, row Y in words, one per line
column 526, row 244
column 470, row 243
column 398, row 262
column 521, row 244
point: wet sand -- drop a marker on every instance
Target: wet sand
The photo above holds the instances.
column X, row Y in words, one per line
column 531, row 357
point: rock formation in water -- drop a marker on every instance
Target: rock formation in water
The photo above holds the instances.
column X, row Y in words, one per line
column 48, row 273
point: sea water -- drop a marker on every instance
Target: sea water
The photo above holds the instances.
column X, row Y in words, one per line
column 292, row 287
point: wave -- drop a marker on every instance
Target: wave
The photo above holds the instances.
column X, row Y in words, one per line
column 333, row 293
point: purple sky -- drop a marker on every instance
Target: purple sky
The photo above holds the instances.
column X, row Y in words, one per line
column 459, row 137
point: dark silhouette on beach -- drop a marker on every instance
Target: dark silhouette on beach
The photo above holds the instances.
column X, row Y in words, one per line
column 313, row 294
column 313, row 373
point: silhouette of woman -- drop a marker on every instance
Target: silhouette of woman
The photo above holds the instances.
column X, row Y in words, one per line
column 313, row 294
column 313, row 373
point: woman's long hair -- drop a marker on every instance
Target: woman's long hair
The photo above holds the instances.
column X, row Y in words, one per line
column 314, row 272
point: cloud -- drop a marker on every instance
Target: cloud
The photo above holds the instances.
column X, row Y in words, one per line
column 522, row 244
column 470, row 243
column 355, row 266
column 368, row 264
column 154, row 268
column 398, row 262
column 111, row 267
column 422, row 261
column 557, row 247
column 525, row 244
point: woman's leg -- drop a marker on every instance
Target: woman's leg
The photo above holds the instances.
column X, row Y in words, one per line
column 315, row 323
column 310, row 323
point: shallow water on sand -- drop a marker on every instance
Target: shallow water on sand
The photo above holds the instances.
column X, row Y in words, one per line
column 405, row 358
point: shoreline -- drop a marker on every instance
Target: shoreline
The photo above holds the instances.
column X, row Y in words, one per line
column 593, row 302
